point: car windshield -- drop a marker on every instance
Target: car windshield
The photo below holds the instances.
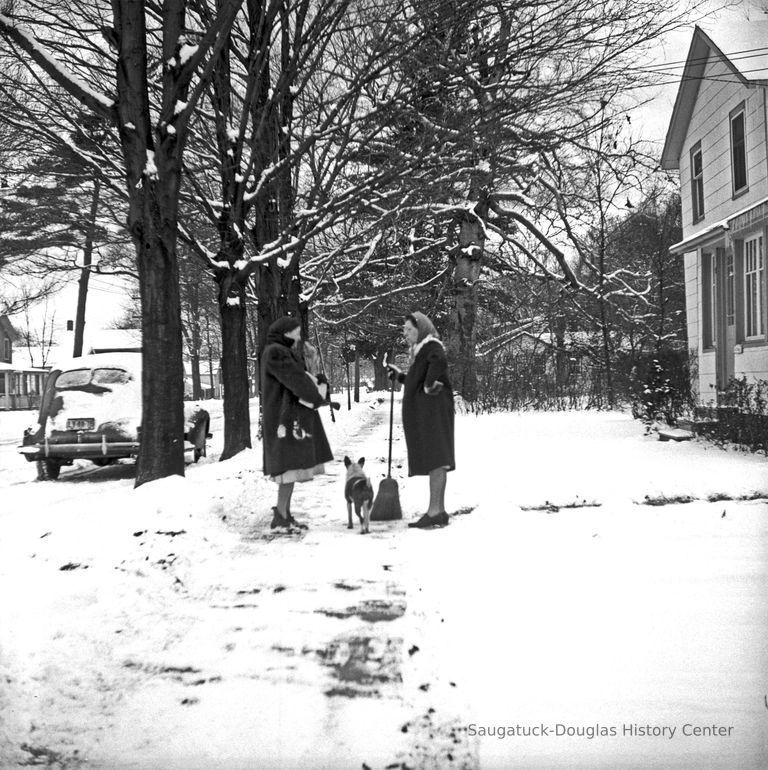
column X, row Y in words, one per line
column 82, row 378
column 111, row 377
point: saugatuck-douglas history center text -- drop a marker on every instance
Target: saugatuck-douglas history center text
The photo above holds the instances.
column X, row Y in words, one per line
column 625, row 730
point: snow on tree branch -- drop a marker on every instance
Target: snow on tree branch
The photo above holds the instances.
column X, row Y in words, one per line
column 25, row 40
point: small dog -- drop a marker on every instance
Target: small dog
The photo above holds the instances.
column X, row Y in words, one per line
column 358, row 490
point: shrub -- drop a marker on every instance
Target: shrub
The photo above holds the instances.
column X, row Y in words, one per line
column 741, row 416
column 661, row 386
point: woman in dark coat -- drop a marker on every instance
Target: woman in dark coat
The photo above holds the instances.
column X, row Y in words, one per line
column 427, row 414
column 295, row 445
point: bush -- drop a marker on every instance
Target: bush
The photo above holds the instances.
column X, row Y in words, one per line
column 741, row 416
column 661, row 386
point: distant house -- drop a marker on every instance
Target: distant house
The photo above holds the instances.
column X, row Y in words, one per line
column 718, row 140
column 113, row 341
column 20, row 386
column 129, row 341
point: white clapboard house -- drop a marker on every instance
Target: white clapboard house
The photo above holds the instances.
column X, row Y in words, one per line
column 20, row 385
column 718, row 140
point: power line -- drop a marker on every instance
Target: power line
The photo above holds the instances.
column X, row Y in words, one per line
column 747, row 53
column 679, row 79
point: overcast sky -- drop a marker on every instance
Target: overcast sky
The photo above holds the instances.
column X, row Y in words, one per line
column 740, row 26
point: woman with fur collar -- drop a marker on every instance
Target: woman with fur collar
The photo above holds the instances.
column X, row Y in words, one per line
column 295, row 444
column 427, row 413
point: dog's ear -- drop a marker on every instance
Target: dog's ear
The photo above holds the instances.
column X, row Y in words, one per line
column 347, row 462
column 361, row 462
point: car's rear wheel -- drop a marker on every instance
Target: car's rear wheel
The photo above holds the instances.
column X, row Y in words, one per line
column 48, row 470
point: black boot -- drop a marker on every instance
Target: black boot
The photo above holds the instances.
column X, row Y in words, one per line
column 278, row 520
column 297, row 524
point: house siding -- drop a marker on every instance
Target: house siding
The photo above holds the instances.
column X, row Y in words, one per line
column 710, row 125
column 691, row 272
column 719, row 95
column 751, row 363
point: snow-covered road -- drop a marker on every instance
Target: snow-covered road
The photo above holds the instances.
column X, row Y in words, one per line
column 581, row 613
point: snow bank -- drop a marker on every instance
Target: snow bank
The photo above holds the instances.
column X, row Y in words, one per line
column 169, row 627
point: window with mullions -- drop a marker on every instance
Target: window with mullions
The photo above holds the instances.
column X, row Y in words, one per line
column 754, row 281
column 738, row 151
column 697, row 183
column 709, row 300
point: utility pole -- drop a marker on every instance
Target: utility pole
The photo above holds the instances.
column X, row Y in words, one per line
column 85, row 271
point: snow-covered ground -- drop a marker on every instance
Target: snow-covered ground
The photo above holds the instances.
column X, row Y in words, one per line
column 604, row 586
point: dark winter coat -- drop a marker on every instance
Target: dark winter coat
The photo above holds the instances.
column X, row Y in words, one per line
column 293, row 435
column 428, row 417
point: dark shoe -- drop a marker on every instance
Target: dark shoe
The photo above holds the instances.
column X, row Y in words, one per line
column 278, row 520
column 297, row 524
column 427, row 521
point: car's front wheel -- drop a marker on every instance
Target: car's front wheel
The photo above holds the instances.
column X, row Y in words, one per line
column 48, row 470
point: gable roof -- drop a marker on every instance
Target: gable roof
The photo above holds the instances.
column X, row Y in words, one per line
column 8, row 328
column 114, row 340
column 702, row 48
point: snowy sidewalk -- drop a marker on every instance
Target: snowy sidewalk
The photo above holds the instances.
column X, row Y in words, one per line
column 167, row 627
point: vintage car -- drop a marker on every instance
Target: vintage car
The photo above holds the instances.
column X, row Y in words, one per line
column 91, row 409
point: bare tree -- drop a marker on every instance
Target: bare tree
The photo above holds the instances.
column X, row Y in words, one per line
column 39, row 341
column 485, row 91
column 143, row 72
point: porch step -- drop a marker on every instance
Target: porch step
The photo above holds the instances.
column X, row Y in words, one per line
column 696, row 424
column 675, row 434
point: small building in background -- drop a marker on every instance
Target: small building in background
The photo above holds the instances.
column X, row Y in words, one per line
column 20, row 386
column 113, row 341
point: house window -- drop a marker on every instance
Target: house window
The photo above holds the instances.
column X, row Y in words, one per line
column 713, row 298
column 754, row 281
column 709, row 299
column 697, row 183
column 738, row 151
column 2, row 384
column 730, row 290
column 7, row 349
column 33, row 385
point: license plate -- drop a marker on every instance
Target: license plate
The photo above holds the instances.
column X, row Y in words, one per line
column 87, row 424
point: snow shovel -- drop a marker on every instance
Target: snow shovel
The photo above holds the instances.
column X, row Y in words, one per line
column 386, row 506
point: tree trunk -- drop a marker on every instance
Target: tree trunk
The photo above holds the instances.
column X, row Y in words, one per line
column 197, row 385
column 278, row 293
column 559, row 324
column 162, row 416
column 462, row 337
column 357, row 376
column 153, row 174
column 380, row 379
column 85, row 273
column 234, row 372
column 349, row 386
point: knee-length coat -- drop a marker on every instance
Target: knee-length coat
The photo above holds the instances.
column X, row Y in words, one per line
column 293, row 435
column 428, row 417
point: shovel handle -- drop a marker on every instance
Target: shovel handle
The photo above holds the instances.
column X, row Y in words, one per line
column 391, row 418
